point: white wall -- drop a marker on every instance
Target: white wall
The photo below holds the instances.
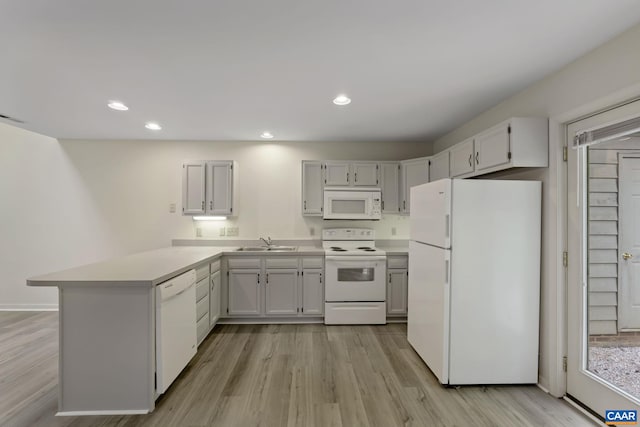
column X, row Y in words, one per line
column 602, row 78
column 49, row 220
column 83, row 201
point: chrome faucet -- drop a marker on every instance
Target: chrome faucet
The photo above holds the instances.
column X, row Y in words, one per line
column 267, row 242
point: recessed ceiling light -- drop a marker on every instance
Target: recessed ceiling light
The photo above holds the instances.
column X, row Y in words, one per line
column 117, row 105
column 266, row 135
column 153, row 126
column 342, row 100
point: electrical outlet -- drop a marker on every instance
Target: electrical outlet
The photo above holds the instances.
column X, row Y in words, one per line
column 172, row 208
column 312, row 231
column 222, row 233
column 198, row 232
column 232, row 231
column 393, row 231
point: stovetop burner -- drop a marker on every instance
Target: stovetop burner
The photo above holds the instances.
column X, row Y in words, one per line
column 368, row 250
column 337, row 249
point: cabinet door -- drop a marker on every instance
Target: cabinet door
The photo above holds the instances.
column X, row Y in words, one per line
column 365, row 174
column 462, row 160
column 414, row 172
column 214, row 299
column 492, row 147
column 439, row 167
column 390, row 187
column 312, row 293
column 397, row 292
column 220, row 187
column 244, row 292
column 336, row 173
column 312, row 188
column 193, row 188
column 281, row 297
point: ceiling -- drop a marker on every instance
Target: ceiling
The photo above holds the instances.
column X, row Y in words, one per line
column 231, row 69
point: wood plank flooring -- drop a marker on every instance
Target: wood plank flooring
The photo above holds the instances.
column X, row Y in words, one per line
column 277, row 375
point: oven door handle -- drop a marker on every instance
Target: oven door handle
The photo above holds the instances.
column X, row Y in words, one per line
column 348, row 258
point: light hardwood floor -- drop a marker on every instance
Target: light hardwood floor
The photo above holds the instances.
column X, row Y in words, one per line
column 277, row 375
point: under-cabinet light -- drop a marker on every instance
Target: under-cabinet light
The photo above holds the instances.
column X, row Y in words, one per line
column 209, row 218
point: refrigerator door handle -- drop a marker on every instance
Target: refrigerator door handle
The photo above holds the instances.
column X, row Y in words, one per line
column 446, row 272
column 446, row 225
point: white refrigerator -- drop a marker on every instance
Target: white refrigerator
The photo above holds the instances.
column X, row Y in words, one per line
column 474, row 279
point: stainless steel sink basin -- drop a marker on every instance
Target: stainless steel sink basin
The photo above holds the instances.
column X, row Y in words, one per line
column 273, row 248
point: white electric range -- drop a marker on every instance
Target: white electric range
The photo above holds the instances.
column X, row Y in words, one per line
column 355, row 270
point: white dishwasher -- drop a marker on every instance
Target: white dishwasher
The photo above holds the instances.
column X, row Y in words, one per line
column 175, row 327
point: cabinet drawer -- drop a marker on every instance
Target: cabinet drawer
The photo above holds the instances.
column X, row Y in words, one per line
column 282, row 262
column 397, row 262
column 214, row 266
column 202, row 288
column 312, row 262
column 243, row 263
column 202, row 308
column 202, row 328
column 202, row 271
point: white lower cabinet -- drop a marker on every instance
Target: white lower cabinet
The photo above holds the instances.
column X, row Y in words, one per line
column 312, row 295
column 281, row 292
column 397, row 280
column 274, row 286
column 244, row 292
column 214, row 296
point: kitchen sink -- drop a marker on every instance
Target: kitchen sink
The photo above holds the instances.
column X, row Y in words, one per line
column 273, row 248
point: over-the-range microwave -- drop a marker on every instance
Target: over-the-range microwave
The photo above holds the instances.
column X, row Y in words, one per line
column 352, row 203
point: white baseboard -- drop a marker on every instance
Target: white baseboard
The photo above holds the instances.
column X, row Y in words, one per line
column 28, row 307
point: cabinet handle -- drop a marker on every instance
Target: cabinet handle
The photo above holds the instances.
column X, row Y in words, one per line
column 477, row 155
column 470, row 157
column 211, row 204
column 383, row 205
column 305, row 205
column 203, row 205
column 389, row 277
column 267, row 277
column 347, row 176
column 404, row 205
column 258, row 278
column 356, row 176
column 320, row 277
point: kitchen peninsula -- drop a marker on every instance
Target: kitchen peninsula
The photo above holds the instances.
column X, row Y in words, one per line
column 107, row 328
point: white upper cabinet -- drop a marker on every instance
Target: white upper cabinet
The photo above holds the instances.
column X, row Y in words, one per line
column 336, row 174
column 207, row 188
column 462, row 158
column 220, row 187
column 351, row 174
column 193, row 188
column 439, row 166
column 517, row 142
column 312, row 184
column 413, row 172
column 364, row 174
column 390, row 186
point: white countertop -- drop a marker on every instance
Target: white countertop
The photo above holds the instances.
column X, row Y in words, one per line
column 153, row 267
column 141, row 269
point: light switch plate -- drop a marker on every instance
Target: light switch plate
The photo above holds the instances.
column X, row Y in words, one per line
column 172, row 208
column 198, row 232
column 232, row 231
column 393, row 231
column 222, row 233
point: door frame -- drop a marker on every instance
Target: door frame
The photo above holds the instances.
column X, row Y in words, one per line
column 581, row 384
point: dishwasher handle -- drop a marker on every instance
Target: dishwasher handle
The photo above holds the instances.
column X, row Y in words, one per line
column 176, row 286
